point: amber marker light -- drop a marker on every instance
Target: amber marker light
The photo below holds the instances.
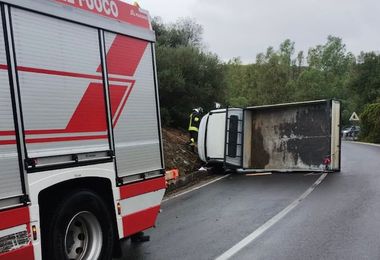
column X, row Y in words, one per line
column 34, row 232
column 118, row 208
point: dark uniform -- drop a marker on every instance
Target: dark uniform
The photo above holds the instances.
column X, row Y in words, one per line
column 195, row 119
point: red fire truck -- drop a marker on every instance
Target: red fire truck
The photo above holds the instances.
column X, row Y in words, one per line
column 81, row 163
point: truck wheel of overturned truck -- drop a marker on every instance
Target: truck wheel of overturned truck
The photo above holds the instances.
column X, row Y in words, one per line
column 81, row 227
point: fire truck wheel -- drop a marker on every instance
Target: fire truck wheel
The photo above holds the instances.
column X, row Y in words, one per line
column 81, row 227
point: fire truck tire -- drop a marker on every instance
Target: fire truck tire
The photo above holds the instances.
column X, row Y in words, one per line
column 81, row 227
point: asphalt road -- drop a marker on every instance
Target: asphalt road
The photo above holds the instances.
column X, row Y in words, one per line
column 340, row 219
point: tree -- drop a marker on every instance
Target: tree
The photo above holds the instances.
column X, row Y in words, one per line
column 270, row 80
column 328, row 71
column 370, row 123
column 335, row 64
column 237, row 83
column 188, row 76
column 366, row 78
column 185, row 32
column 274, row 74
column 286, row 52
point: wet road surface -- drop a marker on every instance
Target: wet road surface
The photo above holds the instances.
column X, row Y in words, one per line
column 340, row 219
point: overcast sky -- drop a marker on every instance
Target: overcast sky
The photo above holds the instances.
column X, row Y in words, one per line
column 243, row 28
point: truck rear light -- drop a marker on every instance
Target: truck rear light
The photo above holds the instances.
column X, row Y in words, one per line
column 327, row 160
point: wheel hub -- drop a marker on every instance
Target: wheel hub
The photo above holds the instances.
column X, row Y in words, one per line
column 83, row 237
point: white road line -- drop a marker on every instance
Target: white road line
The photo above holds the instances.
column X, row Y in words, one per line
column 248, row 239
column 371, row 144
column 195, row 188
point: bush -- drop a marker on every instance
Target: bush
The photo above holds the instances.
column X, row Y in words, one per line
column 370, row 123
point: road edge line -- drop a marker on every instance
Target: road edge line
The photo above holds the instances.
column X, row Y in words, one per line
column 364, row 143
column 268, row 224
column 195, row 188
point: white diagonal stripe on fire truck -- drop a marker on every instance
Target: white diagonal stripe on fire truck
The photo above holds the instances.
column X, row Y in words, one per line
column 141, row 202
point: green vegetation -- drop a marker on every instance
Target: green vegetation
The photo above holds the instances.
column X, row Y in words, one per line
column 370, row 119
column 189, row 76
column 280, row 76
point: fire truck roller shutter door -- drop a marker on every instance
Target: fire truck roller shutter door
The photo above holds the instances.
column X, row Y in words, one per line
column 10, row 180
column 61, row 90
column 136, row 124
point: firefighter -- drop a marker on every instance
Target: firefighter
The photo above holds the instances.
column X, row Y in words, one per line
column 195, row 119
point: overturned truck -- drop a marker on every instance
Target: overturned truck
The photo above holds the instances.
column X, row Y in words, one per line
column 301, row 136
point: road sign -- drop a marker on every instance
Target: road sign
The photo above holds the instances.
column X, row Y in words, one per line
column 354, row 117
